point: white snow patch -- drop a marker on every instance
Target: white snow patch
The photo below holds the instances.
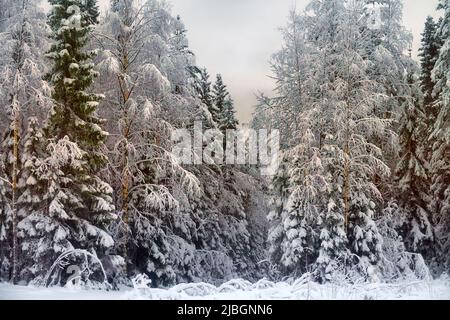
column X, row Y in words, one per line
column 243, row 290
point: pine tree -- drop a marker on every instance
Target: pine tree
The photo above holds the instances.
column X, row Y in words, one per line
column 90, row 9
column 30, row 186
column 225, row 115
column 202, row 86
column 5, row 227
column 412, row 172
column 333, row 254
column 10, row 159
column 220, row 96
column 23, row 92
column 429, row 52
column 72, row 75
column 62, row 223
column 292, row 238
column 228, row 119
column 440, row 160
column 74, row 113
column 78, row 204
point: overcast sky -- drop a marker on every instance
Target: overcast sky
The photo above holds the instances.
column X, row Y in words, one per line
column 237, row 37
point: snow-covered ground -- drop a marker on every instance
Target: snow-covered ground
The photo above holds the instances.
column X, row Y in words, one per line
column 243, row 290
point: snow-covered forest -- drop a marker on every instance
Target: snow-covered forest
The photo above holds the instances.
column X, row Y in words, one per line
column 92, row 194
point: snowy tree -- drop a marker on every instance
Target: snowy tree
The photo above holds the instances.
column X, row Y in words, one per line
column 74, row 113
column 291, row 238
column 220, row 96
column 290, row 68
column 429, row 52
column 30, row 186
column 228, row 119
column 412, row 172
column 143, row 49
column 76, row 203
column 388, row 46
column 225, row 114
column 440, row 177
column 62, row 222
column 5, row 227
column 397, row 262
column 333, row 252
column 202, row 86
column 332, row 158
column 23, row 91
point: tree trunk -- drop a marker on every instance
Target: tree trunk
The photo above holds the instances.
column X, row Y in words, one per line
column 16, row 139
column 346, row 191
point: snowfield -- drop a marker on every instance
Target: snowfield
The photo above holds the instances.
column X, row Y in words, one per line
column 243, row 290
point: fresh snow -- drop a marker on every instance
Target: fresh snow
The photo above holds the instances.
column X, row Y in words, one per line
column 243, row 290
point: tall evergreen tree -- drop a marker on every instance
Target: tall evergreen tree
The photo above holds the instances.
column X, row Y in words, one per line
column 23, row 93
column 78, row 204
column 228, row 119
column 74, row 113
column 203, row 88
column 225, row 114
column 220, row 96
column 30, row 186
column 412, row 176
column 428, row 53
column 440, row 139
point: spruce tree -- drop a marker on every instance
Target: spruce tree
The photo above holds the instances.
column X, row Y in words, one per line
column 440, row 139
column 74, row 113
column 10, row 162
column 78, row 204
column 225, row 114
column 412, row 172
column 23, row 93
column 31, row 188
column 333, row 242
column 5, row 227
column 220, row 97
column 428, row 54
column 30, row 184
column 203, row 88
column 228, row 119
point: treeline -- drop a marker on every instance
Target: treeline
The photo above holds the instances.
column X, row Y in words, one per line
column 364, row 191
column 89, row 103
